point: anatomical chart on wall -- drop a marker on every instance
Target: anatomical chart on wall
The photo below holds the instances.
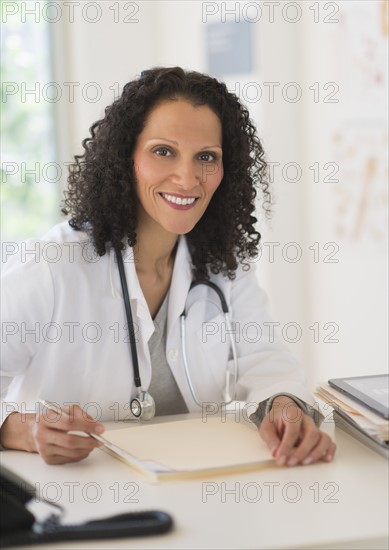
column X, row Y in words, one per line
column 360, row 140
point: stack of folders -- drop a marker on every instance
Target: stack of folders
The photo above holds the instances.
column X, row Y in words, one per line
column 359, row 421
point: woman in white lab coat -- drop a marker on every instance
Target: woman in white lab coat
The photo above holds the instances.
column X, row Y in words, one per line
column 168, row 178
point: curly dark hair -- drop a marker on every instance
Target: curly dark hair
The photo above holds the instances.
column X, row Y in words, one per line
column 101, row 197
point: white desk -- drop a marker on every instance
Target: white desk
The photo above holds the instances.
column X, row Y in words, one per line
column 339, row 505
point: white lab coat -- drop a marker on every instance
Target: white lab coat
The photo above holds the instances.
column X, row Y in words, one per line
column 65, row 339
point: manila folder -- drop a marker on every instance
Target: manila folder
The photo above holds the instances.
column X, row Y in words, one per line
column 191, row 448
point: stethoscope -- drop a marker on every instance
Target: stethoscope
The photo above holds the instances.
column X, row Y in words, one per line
column 143, row 405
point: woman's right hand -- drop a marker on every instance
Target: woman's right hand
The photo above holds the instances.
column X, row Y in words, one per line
column 47, row 434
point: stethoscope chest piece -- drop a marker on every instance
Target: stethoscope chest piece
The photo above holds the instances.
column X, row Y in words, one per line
column 143, row 406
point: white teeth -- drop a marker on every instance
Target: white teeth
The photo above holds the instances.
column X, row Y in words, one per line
column 178, row 200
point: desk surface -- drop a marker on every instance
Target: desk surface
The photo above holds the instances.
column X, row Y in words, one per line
column 339, row 505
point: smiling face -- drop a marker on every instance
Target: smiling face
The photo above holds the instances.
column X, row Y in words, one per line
column 178, row 165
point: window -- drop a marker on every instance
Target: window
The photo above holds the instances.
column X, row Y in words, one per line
column 29, row 172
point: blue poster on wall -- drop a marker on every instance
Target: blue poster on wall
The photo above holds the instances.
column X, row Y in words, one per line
column 229, row 48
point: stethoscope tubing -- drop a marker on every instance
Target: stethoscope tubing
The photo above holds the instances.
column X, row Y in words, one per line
column 229, row 395
column 130, row 322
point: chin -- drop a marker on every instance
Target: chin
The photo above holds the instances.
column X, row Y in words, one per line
column 181, row 230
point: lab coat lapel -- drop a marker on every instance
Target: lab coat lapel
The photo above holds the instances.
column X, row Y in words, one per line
column 139, row 308
column 179, row 288
column 180, row 284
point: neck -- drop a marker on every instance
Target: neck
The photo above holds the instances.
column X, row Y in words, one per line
column 154, row 252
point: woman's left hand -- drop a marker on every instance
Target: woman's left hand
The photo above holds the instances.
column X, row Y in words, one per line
column 292, row 436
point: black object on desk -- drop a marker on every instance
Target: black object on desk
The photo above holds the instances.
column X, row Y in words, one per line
column 21, row 526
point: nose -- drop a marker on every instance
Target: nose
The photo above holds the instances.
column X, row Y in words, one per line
column 186, row 174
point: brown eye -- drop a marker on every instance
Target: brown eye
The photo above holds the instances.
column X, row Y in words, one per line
column 162, row 151
column 207, row 157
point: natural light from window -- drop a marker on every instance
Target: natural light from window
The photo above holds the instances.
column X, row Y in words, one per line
column 29, row 171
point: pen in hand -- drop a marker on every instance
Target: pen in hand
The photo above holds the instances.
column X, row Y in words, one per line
column 58, row 410
column 53, row 438
column 110, row 447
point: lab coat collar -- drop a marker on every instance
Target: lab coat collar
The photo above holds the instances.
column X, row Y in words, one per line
column 180, row 284
column 179, row 288
column 138, row 302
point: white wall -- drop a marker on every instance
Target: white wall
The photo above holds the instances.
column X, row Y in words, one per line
column 353, row 212
column 350, row 293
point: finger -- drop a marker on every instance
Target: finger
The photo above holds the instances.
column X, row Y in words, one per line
column 77, row 413
column 289, row 439
column 57, row 454
column 324, row 447
column 310, row 437
column 62, row 459
column 45, row 437
column 79, row 420
column 74, row 418
column 70, row 441
column 268, row 432
column 56, row 450
column 330, row 453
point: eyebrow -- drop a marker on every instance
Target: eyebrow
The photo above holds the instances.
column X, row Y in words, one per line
column 176, row 142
